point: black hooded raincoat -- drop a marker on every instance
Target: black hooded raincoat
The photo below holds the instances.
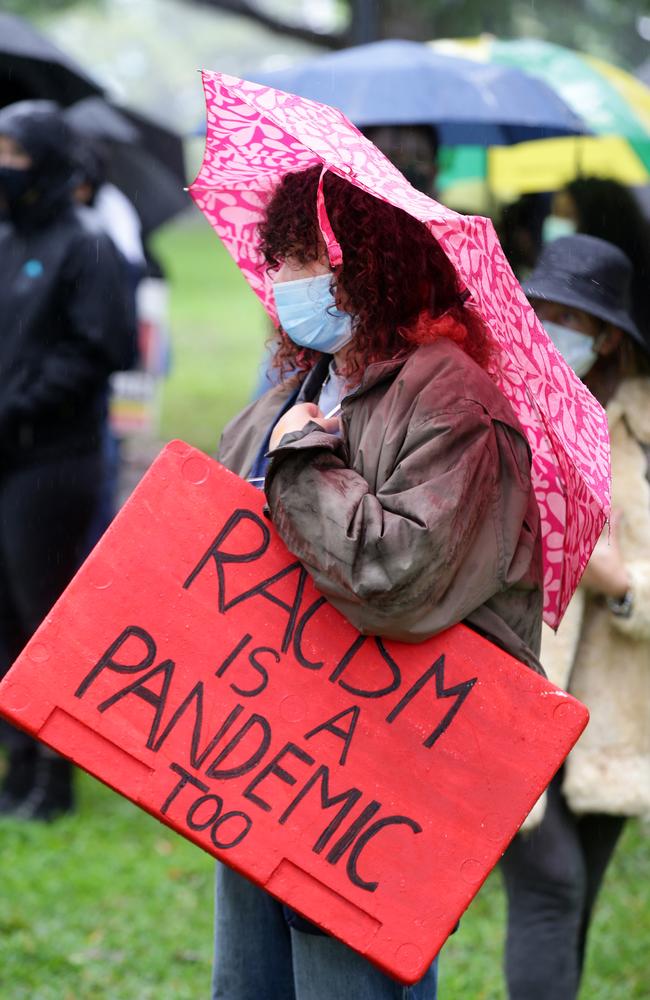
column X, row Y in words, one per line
column 66, row 318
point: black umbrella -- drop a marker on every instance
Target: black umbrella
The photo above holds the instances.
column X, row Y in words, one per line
column 33, row 67
column 145, row 159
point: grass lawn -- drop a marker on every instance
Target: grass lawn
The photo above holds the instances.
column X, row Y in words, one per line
column 110, row 905
column 218, row 330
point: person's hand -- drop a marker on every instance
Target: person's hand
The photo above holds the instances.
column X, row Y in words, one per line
column 606, row 573
column 298, row 417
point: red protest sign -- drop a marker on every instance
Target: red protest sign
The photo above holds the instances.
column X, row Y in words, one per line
column 369, row 784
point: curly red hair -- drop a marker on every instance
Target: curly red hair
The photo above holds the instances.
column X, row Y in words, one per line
column 395, row 279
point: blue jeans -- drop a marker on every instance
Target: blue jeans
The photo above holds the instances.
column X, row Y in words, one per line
column 258, row 956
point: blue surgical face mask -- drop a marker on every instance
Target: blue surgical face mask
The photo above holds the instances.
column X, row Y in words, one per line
column 555, row 226
column 308, row 314
column 577, row 349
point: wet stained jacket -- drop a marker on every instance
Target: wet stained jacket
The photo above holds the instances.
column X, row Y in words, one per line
column 421, row 514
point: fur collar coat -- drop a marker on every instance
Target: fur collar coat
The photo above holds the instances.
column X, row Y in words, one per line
column 602, row 659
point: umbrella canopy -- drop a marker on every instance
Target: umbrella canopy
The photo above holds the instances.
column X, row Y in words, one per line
column 614, row 105
column 405, row 83
column 99, row 119
column 145, row 158
column 257, row 134
column 32, row 67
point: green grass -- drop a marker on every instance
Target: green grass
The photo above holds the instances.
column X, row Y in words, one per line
column 110, row 905
column 218, row 331
column 103, row 905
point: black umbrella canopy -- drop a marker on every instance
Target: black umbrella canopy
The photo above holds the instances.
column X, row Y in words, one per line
column 33, row 67
column 98, row 119
column 145, row 158
column 162, row 142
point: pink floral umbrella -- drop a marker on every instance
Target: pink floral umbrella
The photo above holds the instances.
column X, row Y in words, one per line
column 256, row 134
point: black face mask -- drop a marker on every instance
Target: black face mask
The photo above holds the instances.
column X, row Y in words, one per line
column 14, row 184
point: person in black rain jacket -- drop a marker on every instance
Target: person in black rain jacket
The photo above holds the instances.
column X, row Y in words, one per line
column 66, row 322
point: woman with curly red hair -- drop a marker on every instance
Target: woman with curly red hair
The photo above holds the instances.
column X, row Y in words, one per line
column 396, row 471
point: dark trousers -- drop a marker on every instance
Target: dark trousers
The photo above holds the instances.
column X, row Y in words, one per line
column 45, row 514
column 552, row 876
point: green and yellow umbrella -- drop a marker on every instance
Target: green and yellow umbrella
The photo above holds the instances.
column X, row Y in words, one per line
column 613, row 104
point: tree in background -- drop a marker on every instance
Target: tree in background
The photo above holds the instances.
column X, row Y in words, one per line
column 32, row 9
column 602, row 27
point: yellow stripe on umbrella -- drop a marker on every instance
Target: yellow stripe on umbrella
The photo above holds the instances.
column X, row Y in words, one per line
column 550, row 164
column 611, row 102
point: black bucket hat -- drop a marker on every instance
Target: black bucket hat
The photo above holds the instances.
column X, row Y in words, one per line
column 586, row 273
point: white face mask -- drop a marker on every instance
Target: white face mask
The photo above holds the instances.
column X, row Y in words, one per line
column 555, row 226
column 577, row 349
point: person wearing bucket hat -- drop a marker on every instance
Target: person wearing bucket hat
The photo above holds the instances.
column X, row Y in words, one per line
column 601, row 652
column 398, row 474
column 589, row 280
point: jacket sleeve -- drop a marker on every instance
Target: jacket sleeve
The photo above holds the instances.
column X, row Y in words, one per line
column 95, row 333
column 431, row 533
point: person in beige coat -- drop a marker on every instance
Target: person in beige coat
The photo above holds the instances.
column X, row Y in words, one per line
column 601, row 652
